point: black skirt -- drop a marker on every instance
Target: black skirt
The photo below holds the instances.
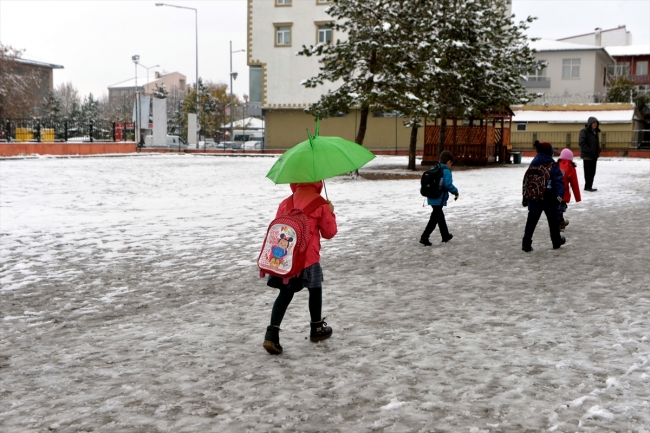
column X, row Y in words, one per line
column 310, row 277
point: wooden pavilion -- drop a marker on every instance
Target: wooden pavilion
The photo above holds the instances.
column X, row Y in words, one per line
column 471, row 144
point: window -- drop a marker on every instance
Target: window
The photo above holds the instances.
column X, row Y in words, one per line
column 283, row 2
column 283, row 36
column 324, row 34
column 620, row 69
column 255, row 83
column 570, row 69
column 521, row 126
column 323, row 2
column 540, row 72
column 642, row 68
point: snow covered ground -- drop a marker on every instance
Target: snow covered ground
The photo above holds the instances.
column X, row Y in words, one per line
column 130, row 301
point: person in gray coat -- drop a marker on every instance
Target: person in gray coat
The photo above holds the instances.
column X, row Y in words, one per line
column 589, row 151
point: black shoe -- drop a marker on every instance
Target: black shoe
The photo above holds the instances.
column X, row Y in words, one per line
column 319, row 331
column 591, row 189
column 562, row 242
column 448, row 238
column 272, row 340
column 527, row 248
column 425, row 242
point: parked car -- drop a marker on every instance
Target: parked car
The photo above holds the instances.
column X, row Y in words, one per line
column 172, row 141
column 251, row 145
column 229, row 145
column 208, row 144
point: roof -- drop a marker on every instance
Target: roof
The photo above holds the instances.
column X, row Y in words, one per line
column 546, row 45
column 37, row 63
column 593, row 33
column 250, row 122
column 130, row 83
column 580, row 117
column 629, row 50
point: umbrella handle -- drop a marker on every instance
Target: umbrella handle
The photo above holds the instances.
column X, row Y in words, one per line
column 327, row 198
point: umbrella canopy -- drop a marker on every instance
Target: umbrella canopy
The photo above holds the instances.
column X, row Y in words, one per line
column 319, row 158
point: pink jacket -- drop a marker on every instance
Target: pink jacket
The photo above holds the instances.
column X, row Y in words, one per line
column 570, row 178
column 323, row 221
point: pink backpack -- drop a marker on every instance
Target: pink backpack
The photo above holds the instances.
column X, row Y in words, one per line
column 285, row 245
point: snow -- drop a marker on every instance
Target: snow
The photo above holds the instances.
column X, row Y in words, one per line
column 629, row 50
column 578, row 116
column 551, row 45
column 130, row 301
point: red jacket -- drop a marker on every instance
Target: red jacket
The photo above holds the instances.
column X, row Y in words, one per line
column 323, row 220
column 570, row 178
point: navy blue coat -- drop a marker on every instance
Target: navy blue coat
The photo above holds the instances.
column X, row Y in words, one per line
column 557, row 182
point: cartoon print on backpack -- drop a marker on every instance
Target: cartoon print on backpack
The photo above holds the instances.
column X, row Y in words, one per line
column 278, row 248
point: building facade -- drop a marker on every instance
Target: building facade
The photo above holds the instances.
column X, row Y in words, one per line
column 173, row 82
column 569, row 73
column 633, row 62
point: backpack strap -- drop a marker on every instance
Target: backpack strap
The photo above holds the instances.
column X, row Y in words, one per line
column 313, row 205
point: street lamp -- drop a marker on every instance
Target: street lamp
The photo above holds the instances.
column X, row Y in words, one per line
column 150, row 67
column 196, row 25
column 136, row 60
column 233, row 76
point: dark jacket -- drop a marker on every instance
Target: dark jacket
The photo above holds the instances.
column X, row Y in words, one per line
column 588, row 141
column 557, row 182
column 447, row 187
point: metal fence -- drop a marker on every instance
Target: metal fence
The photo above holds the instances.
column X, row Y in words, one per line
column 66, row 130
column 610, row 140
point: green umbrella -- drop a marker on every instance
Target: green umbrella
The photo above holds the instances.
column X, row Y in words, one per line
column 319, row 158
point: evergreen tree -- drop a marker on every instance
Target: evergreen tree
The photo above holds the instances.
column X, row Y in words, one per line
column 160, row 92
column 621, row 89
column 357, row 62
column 460, row 58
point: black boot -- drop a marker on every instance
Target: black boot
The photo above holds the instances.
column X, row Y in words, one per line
column 272, row 340
column 319, row 331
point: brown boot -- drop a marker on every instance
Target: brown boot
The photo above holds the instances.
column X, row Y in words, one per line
column 319, row 331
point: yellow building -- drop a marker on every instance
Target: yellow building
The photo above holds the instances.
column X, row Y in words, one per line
column 560, row 125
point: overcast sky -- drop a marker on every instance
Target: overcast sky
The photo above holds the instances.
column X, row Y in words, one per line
column 94, row 40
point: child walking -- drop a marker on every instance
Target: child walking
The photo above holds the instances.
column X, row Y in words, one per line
column 543, row 176
column 568, row 168
column 437, row 217
column 323, row 222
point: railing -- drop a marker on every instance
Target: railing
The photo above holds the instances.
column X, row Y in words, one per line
column 611, row 140
column 67, row 130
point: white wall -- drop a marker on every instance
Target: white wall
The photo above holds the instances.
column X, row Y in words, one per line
column 579, row 90
column 283, row 69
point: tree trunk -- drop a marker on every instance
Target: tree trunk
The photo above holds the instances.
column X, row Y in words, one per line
column 363, row 123
column 443, row 132
column 412, row 145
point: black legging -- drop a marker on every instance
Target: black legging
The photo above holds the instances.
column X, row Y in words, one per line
column 284, row 299
column 589, row 166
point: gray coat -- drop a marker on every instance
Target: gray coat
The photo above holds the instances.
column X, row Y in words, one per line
column 588, row 141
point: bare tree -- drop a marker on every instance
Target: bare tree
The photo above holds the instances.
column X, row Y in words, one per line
column 68, row 97
column 17, row 98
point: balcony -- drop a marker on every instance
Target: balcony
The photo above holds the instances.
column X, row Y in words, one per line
column 640, row 79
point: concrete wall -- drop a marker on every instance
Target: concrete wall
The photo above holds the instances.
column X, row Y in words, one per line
column 20, row 149
column 286, row 128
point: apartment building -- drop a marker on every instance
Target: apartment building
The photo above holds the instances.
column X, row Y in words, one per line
column 631, row 62
column 569, row 73
column 173, row 82
column 602, row 38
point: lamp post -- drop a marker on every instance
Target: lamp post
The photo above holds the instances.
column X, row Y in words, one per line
column 136, row 60
column 196, row 26
column 150, row 67
column 233, row 75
